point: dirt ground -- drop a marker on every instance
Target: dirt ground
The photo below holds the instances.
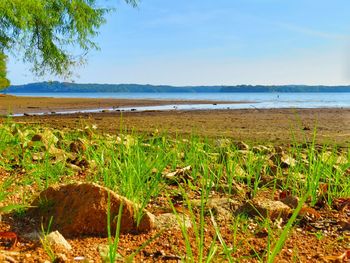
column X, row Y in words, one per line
column 277, row 126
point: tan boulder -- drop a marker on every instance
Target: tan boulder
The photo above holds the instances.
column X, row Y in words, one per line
column 81, row 209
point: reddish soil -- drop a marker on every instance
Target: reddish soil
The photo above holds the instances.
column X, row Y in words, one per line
column 320, row 233
column 305, row 243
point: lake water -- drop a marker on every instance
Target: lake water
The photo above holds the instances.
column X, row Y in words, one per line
column 256, row 100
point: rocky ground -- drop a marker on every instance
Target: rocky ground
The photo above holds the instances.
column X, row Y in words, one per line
column 239, row 218
column 321, row 234
column 219, row 199
column 276, row 126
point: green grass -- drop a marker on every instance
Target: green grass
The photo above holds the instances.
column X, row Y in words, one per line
column 46, row 244
column 133, row 165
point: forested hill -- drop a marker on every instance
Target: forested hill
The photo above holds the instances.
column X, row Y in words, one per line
column 284, row 88
column 74, row 87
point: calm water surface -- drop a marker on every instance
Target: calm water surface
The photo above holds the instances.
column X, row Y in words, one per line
column 256, row 100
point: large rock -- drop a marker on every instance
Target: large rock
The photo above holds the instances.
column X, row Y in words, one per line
column 81, row 209
column 266, row 208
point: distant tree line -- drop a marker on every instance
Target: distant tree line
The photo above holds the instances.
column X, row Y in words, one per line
column 75, row 87
column 285, row 88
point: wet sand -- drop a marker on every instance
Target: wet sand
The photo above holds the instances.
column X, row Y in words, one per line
column 30, row 105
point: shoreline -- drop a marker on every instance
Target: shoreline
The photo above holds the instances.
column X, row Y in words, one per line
column 39, row 105
column 256, row 125
column 18, row 106
column 156, row 108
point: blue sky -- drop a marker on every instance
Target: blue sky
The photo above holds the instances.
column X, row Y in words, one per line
column 218, row 42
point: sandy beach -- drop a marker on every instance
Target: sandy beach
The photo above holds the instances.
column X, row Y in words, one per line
column 253, row 125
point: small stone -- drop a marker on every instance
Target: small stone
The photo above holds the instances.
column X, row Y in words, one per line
column 291, row 201
column 77, row 146
column 261, row 149
column 32, row 236
column 55, row 238
column 345, row 225
column 37, row 138
column 221, row 207
column 38, row 156
column 242, row 146
column 178, row 174
column 169, row 220
column 46, row 137
column 287, row 161
column 278, row 149
column 61, row 258
column 75, row 168
column 79, row 258
column 266, row 208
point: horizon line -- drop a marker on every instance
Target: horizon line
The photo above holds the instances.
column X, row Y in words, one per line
column 172, row 85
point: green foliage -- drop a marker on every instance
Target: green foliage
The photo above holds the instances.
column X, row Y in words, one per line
column 47, row 246
column 4, row 82
column 45, row 31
